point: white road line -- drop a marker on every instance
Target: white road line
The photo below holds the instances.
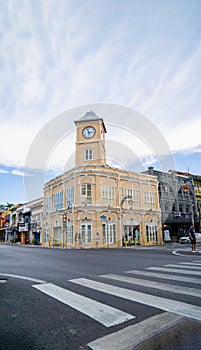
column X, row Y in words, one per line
column 170, row 305
column 129, row 337
column 191, row 267
column 102, row 313
column 178, row 250
column 168, row 277
column 187, row 272
column 157, row 285
column 190, row 264
column 22, row 277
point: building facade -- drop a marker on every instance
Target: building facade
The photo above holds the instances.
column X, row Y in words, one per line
column 177, row 202
column 195, row 190
column 4, row 225
column 26, row 222
column 95, row 205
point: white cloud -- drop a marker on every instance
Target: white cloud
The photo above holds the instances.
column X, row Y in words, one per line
column 15, row 141
column 20, row 173
column 2, row 171
column 185, row 136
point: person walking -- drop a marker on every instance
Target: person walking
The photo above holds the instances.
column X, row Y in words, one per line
column 192, row 238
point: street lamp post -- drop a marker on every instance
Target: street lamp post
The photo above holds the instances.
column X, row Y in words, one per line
column 64, row 226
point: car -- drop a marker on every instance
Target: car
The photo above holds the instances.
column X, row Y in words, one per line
column 185, row 239
column 198, row 237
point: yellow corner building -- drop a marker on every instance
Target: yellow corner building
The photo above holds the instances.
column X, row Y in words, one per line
column 94, row 205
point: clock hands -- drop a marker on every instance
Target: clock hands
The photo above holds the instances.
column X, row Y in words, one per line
column 88, row 132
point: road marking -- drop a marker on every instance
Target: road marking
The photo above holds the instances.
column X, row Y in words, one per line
column 129, row 337
column 168, row 277
column 3, row 281
column 187, row 272
column 186, row 267
column 185, row 250
column 157, row 285
column 191, row 264
column 22, row 277
column 102, row 313
column 176, row 252
column 187, row 310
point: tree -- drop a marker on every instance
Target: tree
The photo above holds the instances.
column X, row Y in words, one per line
column 6, row 206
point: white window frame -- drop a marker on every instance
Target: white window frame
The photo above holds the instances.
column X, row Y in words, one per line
column 151, row 233
column 88, row 154
column 46, row 234
column 70, row 192
column 86, row 193
column 109, row 232
column 47, row 204
column 58, row 200
column 86, row 232
column 57, row 235
column 69, row 232
column 108, row 194
column 134, row 194
column 149, row 200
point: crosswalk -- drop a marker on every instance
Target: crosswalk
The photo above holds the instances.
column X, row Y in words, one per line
column 104, row 314
column 169, row 278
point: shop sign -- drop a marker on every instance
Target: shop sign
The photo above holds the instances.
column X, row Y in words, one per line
column 130, row 222
column 167, row 235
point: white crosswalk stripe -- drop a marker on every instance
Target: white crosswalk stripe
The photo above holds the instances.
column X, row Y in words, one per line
column 190, row 267
column 186, row 310
column 164, row 269
column 166, row 277
column 130, row 337
column 151, row 284
column 194, row 264
column 102, row 313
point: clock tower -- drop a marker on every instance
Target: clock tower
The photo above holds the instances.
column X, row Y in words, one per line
column 90, row 140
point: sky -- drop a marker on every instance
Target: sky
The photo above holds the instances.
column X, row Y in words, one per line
column 134, row 63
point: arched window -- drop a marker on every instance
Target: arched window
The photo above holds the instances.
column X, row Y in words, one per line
column 180, row 208
column 167, row 207
column 69, row 196
column 86, row 194
column 108, row 192
column 187, row 208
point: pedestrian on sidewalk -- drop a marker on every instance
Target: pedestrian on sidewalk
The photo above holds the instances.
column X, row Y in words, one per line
column 192, row 238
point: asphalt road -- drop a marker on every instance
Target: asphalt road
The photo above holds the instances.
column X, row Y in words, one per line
column 130, row 298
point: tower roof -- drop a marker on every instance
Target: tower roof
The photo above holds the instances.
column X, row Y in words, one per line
column 90, row 116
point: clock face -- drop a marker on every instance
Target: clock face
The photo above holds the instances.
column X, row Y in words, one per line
column 88, row 132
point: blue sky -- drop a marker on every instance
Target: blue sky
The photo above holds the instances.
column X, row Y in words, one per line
column 58, row 55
